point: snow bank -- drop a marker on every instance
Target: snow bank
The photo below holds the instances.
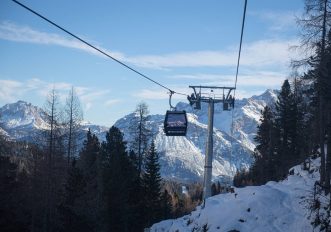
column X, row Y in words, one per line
column 276, row 206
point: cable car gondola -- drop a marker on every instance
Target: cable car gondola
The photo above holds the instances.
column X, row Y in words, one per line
column 175, row 123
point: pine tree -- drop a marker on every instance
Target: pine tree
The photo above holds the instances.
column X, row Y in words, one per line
column 15, row 215
column 89, row 164
column 286, row 118
column 305, row 125
column 152, row 186
column 37, row 186
column 118, row 174
column 263, row 168
column 89, row 154
column 136, row 197
column 72, row 206
column 265, row 160
column 278, row 140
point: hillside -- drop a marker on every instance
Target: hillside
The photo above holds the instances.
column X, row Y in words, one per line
column 276, row 206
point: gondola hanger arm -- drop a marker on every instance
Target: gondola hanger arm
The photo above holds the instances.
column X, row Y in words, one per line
column 170, row 96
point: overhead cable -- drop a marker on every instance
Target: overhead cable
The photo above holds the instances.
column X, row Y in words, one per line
column 241, row 40
column 237, row 70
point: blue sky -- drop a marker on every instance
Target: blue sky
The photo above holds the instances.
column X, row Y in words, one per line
column 176, row 42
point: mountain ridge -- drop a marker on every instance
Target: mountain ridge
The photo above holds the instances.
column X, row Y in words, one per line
column 180, row 157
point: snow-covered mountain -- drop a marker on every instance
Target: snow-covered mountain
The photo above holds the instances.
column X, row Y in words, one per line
column 180, row 157
column 275, row 206
column 22, row 120
column 183, row 157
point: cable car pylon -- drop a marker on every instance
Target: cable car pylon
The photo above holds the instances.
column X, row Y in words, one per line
column 212, row 96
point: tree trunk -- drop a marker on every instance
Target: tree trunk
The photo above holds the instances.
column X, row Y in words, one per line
column 321, row 140
column 49, row 171
column 49, row 163
column 70, row 126
column 328, row 158
column 321, row 97
column 139, row 145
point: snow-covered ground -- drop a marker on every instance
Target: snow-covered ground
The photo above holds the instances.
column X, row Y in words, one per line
column 276, row 206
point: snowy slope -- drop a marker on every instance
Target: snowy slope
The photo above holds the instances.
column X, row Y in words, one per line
column 276, row 206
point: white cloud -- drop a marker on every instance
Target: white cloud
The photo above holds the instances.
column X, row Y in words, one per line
column 9, row 90
column 267, row 52
column 44, row 88
column 151, row 94
column 261, row 79
column 34, row 83
column 91, row 96
column 87, row 106
column 13, row 32
column 111, row 102
column 265, row 79
column 256, row 54
column 185, row 59
column 240, row 94
column 161, row 94
column 204, row 78
column 15, row 90
column 81, row 90
column 279, row 21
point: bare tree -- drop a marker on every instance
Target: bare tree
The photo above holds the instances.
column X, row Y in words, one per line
column 54, row 159
column 73, row 116
column 140, row 132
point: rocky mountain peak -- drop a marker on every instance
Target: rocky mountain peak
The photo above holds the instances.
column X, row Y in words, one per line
column 180, row 157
